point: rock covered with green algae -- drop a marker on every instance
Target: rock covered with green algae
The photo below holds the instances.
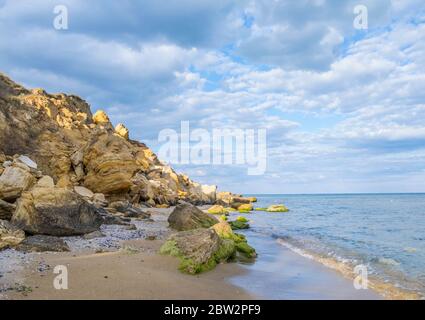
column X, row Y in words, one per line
column 274, row 208
column 217, row 209
column 239, row 223
column 224, row 231
column 199, row 250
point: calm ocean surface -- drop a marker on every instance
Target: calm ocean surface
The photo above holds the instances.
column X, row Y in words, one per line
column 385, row 232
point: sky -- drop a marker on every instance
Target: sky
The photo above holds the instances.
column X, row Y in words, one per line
column 344, row 109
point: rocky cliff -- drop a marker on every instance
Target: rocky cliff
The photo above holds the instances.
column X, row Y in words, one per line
column 78, row 149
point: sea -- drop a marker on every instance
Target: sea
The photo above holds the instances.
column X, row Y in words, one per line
column 384, row 234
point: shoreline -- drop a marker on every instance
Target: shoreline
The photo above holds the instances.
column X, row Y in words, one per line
column 127, row 275
column 122, row 265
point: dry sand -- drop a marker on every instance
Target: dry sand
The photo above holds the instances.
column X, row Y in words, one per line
column 126, row 275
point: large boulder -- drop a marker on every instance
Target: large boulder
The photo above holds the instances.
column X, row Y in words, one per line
column 41, row 243
column 6, row 210
column 10, row 235
column 14, row 181
column 187, row 217
column 110, row 165
column 56, row 212
column 198, row 250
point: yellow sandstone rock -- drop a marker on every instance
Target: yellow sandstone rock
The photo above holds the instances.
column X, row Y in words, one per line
column 122, row 131
column 100, row 117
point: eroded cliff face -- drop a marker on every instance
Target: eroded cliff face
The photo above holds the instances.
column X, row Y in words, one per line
column 77, row 148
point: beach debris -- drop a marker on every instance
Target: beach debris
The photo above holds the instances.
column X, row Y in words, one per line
column 199, row 250
column 42, row 243
column 187, row 216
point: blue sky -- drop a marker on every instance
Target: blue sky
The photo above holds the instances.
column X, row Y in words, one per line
column 344, row 109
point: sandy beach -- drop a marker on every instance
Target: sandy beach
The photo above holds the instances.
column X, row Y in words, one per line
column 139, row 273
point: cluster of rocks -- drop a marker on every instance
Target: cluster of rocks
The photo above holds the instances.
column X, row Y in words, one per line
column 32, row 205
column 80, row 149
column 203, row 241
column 66, row 172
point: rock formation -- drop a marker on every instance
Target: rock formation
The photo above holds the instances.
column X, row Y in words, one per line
column 59, row 134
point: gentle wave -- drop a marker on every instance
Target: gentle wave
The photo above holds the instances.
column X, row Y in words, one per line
column 346, row 268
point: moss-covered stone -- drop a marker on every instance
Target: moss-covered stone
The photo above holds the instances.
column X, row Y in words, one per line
column 274, row 208
column 217, row 209
column 246, row 249
column 238, row 225
column 277, row 208
column 199, row 250
column 245, row 207
column 224, row 231
column 242, row 219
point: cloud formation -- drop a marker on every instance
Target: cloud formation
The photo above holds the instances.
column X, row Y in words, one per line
column 344, row 108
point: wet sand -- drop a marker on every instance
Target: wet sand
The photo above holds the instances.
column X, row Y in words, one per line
column 127, row 274
column 280, row 273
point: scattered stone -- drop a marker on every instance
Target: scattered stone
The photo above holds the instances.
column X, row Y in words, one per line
column 41, row 243
column 56, row 212
column 28, row 162
column 10, row 236
column 187, row 217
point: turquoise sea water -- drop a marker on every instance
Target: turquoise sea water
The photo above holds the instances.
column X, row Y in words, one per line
column 385, row 232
